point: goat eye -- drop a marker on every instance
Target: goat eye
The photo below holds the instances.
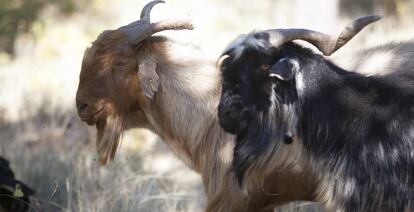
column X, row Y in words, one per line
column 265, row 67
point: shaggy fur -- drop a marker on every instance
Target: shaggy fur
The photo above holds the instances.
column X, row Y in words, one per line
column 354, row 132
column 378, row 60
column 183, row 112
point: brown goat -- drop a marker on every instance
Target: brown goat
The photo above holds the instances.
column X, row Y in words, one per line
column 143, row 83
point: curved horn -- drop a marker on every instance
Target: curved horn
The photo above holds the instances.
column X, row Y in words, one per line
column 221, row 60
column 143, row 28
column 146, row 11
column 325, row 43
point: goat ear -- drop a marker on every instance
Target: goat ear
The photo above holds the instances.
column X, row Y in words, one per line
column 148, row 77
column 284, row 69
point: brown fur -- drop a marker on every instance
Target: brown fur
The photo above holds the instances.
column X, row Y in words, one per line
column 182, row 112
column 101, row 80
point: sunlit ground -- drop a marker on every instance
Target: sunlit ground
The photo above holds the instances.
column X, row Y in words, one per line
column 53, row 151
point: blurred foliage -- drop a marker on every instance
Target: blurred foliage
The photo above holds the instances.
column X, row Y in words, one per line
column 396, row 8
column 18, row 16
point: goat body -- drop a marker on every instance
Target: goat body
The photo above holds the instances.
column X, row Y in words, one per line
column 359, row 130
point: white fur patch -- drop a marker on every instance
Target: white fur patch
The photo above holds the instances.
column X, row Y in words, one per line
column 226, row 153
column 273, row 100
column 300, row 84
column 376, row 63
column 349, row 187
column 380, row 152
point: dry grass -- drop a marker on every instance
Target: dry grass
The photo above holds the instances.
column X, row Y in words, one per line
column 53, row 153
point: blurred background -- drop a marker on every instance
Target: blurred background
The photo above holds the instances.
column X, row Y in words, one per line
column 53, row 152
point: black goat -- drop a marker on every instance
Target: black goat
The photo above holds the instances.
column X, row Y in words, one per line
column 355, row 132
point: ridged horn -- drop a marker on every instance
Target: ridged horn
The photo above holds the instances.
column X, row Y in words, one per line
column 327, row 44
column 143, row 28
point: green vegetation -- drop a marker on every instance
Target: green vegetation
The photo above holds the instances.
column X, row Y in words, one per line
column 18, row 16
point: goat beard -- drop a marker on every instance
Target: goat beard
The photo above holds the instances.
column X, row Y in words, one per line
column 255, row 149
column 109, row 133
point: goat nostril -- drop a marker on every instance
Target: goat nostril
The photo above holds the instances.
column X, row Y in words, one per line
column 231, row 114
column 82, row 106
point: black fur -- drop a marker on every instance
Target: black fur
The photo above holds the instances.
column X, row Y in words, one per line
column 361, row 128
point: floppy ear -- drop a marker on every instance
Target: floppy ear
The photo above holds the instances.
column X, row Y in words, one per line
column 284, row 69
column 148, row 77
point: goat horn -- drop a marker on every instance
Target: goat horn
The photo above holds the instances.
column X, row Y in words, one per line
column 325, row 43
column 146, row 11
column 221, row 60
column 143, row 28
